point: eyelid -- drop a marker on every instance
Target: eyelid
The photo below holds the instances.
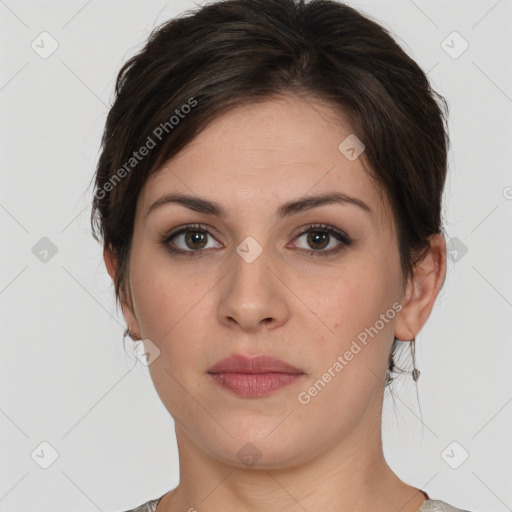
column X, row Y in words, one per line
column 186, row 227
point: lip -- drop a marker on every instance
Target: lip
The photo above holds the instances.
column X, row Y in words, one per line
column 239, row 363
column 254, row 376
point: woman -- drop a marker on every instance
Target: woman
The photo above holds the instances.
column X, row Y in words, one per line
column 269, row 200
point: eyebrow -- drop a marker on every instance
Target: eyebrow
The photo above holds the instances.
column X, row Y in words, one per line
column 208, row 207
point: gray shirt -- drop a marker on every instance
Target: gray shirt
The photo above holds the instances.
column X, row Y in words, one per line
column 427, row 506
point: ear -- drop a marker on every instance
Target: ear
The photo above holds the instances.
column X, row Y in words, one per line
column 422, row 290
column 129, row 316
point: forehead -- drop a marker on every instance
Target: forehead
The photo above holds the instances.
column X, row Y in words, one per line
column 265, row 154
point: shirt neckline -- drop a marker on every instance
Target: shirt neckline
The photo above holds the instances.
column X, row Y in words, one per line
column 427, row 499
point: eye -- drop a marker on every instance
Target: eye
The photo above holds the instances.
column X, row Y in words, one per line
column 190, row 240
column 322, row 240
column 193, row 239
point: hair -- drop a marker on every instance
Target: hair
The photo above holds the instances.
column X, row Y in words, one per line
column 230, row 53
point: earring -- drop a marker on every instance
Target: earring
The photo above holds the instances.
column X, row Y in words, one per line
column 127, row 332
column 415, row 373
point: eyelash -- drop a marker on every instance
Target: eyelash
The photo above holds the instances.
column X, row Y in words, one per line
column 338, row 235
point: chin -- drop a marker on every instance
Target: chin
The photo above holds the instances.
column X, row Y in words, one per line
column 268, row 449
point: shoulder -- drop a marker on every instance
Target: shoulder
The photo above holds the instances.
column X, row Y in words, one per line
column 438, row 506
column 149, row 506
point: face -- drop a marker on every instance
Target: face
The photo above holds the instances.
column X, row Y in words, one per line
column 316, row 285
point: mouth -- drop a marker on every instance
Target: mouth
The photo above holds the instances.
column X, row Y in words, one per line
column 254, row 376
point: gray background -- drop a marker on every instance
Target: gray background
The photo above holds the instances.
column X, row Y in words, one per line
column 66, row 379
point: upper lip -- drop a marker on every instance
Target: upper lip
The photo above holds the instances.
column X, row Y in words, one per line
column 239, row 363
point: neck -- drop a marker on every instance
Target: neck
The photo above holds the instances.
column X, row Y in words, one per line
column 352, row 475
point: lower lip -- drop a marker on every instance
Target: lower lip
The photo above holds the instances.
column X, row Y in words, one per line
column 255, row 384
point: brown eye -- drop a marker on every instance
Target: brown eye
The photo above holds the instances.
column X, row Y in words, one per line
column 190, row 240
column 321, row 237
column 318, row 239
column 196, row 239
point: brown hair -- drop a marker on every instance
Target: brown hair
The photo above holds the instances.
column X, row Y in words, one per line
column 230, row 53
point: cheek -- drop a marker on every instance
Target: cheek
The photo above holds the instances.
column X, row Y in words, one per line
column 351, row 300
column 357, row 354
column 168, row 310
column 358, row 307
column 170, row 307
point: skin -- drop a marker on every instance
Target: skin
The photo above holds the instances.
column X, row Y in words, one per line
column 303, row 308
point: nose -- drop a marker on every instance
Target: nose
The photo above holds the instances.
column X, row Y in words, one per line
column 253, row 296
